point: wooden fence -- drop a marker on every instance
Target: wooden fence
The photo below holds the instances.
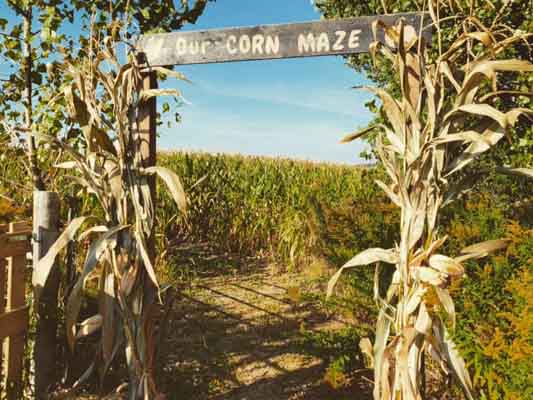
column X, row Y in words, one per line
column 14, row 245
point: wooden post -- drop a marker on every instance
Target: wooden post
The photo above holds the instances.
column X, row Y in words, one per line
column 3, row 283
column 45, row 231
column 15, row 305
column 146, row 138
column 146, row 133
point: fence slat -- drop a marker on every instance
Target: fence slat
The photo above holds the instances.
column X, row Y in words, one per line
column 3, row 284
column 14, row 248
column 13, row 323
column 14, row 345
column 19, row 226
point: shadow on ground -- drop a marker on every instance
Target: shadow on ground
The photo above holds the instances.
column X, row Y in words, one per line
column 246, row 337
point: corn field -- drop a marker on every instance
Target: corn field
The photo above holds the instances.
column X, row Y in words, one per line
column 446, row 116
column 248, row 205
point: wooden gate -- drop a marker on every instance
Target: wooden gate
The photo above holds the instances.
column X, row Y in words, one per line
column 14, row 245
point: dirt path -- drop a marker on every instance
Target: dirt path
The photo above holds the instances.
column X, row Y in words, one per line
column 243, row 338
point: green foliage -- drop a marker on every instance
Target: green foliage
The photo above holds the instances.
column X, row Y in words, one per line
column 338, row 349
column 516, row 14
column 37, row 35
column 255, row 205
column 9, row 212
column 345, row 211
column 338, row 220
column 494, row 302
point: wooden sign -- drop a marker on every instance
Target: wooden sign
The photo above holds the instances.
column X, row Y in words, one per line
column 307, row 39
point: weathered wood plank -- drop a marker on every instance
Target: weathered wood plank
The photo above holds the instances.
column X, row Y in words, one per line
column 14, row 248
column 17, row 235
column 19, row 226
column 146, row 132
column 14, row 322
column 15, row 241
column 307, row 39
column 3, row 284
column 16, row 299
column 16, row 268
column 13, row 327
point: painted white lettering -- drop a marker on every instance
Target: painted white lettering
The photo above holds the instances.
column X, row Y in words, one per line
column 205, row 45
column 181, row 47
column 194, row 47
column 244, row 44
column 338, row 46
column 257, row 44
column 272, row 45
column 353, row 42
column 306, row 43
column 230, row 45
column 322, row 43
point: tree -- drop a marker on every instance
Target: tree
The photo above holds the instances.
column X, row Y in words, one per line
column 516, row 15
column 29, row 44
column 33, row 38
column 438, row 124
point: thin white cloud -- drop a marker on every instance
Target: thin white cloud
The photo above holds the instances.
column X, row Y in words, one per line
column 345, row 102
column 315, row 138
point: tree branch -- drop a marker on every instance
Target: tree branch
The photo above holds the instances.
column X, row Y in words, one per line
column 18, row 9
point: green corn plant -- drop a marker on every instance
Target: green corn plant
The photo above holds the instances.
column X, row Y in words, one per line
column 443, row 119
column 104, row 98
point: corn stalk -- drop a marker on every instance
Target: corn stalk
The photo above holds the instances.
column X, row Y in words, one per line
column 441, row 122
column 103, row 98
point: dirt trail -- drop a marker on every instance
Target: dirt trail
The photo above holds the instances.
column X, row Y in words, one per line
column 241, row 339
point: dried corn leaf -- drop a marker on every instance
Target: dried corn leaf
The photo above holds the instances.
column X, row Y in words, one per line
column 447, row 302
column 128, row 280
column 484, row 110
column 486, row 247
column 408, row 388
column 142, row 248
column 391, row 107
column 147, row 94
column 365, row 345
column 173, row 183
column 366, row 257
column 77, row 108
column 446, row 265
column 423, row 322
column 96, row 251
column 414, row 299
column 527, row 172
column 390, row 193
column 382, row 355
column 492, row 134
column 455, row 362
column 169, row 72
column 488, row 69
column 429, row 275
column 98, row 140
column 66, row 165
column 356, row 135
column 89, row 326
column 107, row 307
column 44, row 265
column 483, row 37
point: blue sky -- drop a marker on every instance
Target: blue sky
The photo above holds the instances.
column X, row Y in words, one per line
column 296, row 108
